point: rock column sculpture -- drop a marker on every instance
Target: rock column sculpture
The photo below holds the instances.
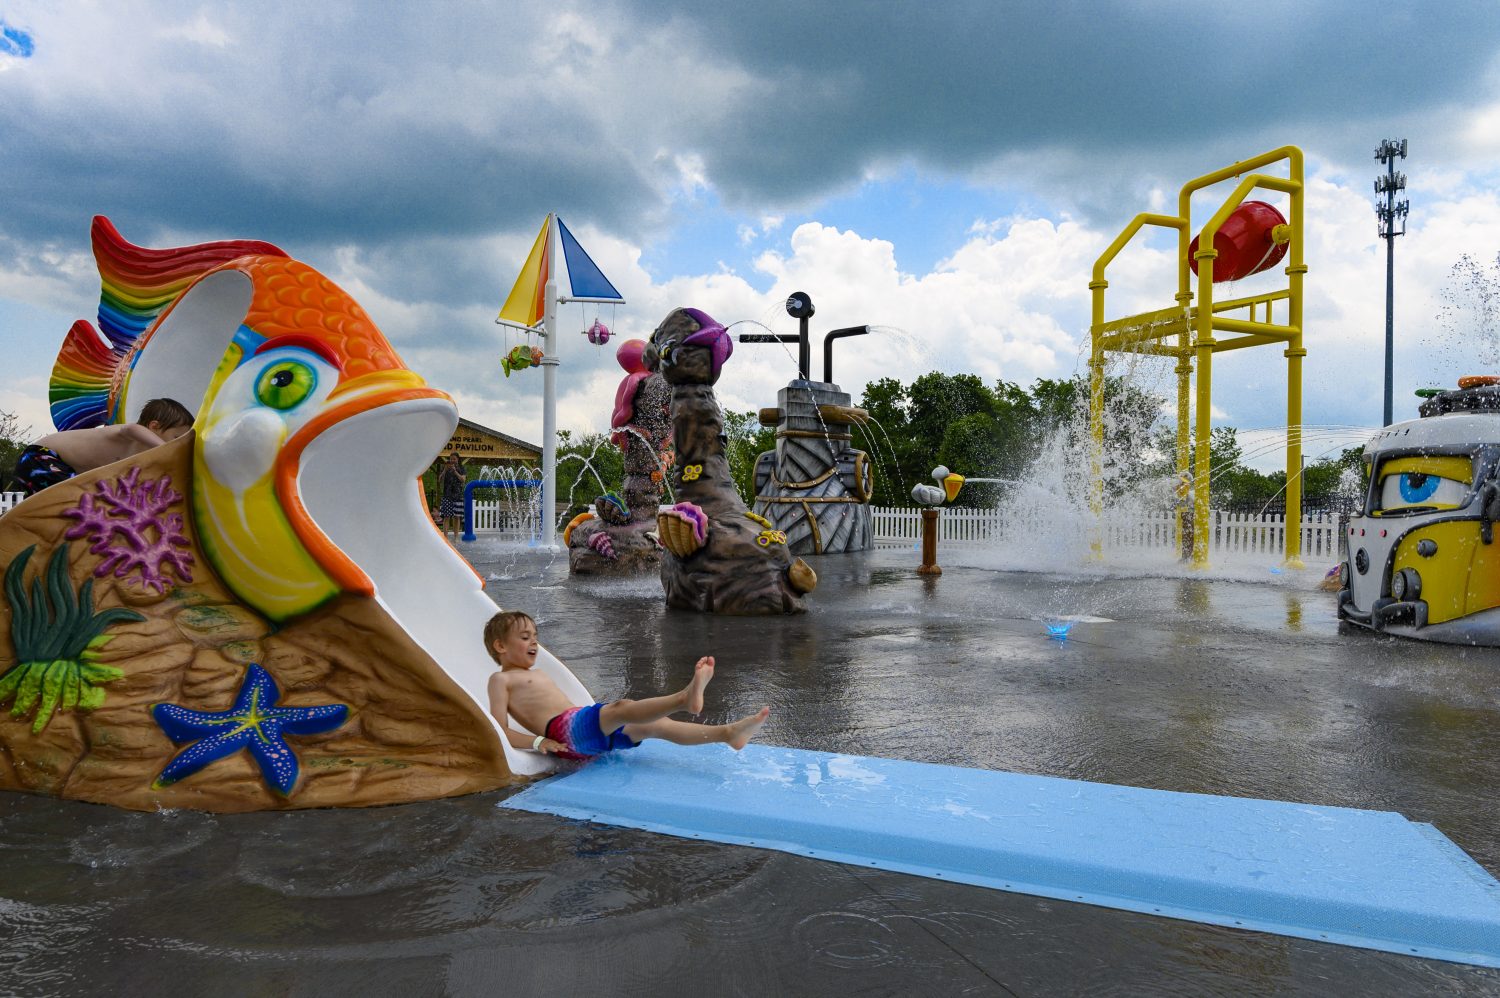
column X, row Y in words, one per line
column 719, row 557
column 617, row 539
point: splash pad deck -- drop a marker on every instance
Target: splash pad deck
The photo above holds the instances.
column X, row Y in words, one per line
column 1362, row 878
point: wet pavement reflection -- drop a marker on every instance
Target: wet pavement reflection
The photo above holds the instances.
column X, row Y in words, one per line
column 1192, row 684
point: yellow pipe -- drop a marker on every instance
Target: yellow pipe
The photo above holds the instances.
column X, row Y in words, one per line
column 1234, row 303
column 1204, row 344
column 1097, row 286
column 1241, row 342
column 1267, row 329
column 1096, row 419
column 1136, row 224
column 1290, row 153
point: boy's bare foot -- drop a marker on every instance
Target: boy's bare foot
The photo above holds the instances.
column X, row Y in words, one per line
column 692, row 694
column 740, row 732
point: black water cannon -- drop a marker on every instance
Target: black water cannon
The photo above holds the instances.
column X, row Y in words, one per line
column 799, row 305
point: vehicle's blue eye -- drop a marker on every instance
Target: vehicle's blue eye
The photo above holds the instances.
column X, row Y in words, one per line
column 1417, row 487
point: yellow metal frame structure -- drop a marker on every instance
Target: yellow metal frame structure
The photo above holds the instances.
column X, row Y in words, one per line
column 1186, row 331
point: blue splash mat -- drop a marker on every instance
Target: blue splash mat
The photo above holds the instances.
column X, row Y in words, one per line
column 1360, row 878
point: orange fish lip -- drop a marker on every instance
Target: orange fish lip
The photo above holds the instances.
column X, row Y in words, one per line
column 380, row 381
column 375, row 390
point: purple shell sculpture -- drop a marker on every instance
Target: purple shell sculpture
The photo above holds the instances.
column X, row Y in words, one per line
column 683, row 529
column 713, row 335
column 602, row 545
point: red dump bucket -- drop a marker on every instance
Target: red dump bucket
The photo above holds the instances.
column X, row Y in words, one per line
column 1244, row 242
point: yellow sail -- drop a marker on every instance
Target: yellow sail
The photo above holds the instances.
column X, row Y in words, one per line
column 527, row 299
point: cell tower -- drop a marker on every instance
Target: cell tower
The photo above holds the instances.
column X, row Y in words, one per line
column 1389, row 214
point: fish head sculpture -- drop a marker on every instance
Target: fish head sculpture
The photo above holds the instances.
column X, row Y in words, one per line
column 302, row 495
column 284, row 367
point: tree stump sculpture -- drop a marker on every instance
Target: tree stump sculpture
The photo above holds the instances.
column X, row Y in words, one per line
column 719, row 557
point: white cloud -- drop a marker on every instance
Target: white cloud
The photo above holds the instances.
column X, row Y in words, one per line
column 200, row 30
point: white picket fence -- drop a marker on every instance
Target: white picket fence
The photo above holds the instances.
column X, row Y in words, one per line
column 1229, row 533
column 1233, row 534
column 507, row 521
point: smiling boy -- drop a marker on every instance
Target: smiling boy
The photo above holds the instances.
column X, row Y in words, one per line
column 571, row 732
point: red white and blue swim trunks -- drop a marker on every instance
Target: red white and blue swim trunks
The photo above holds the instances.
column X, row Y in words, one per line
column 39, row 467
column 578, row 730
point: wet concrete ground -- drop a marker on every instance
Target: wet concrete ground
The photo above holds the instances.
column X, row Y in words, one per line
column 1190, row 684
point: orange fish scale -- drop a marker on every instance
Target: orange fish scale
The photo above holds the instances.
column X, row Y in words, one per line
column 291, row 297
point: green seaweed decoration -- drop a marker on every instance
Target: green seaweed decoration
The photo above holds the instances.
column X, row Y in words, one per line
column 57, row 637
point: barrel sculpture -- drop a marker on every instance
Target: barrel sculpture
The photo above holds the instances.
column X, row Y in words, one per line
column 814, row 486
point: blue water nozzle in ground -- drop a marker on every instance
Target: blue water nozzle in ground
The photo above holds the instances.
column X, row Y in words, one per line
column 1059, row 628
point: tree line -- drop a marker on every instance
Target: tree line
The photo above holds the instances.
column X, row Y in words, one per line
column 999, row 430
column 979, row 430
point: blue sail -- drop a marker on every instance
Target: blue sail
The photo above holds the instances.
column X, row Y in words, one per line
column 587, row 280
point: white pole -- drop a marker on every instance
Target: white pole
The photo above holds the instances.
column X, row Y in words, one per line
column 549, row 400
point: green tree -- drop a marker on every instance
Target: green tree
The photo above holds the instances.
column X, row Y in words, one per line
column 14, row 438
column 745, row 440
column 887, row 439
column 1334, row 481
column 587, row 467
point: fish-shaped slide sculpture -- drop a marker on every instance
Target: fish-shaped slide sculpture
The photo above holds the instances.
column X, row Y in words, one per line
column 260, row 614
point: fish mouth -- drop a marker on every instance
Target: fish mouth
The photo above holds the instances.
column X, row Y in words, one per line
column 355, row 465
column 348, row 484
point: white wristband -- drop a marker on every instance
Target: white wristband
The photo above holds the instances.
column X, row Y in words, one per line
column 536, row 743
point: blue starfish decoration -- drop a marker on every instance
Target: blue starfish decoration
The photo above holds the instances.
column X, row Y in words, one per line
column 254, row 722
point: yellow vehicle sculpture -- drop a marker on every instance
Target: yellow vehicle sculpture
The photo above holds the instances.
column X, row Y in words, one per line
column 1423, row 559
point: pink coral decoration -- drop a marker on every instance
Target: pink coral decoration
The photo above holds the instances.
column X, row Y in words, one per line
column 602, row 545
column 128, row 525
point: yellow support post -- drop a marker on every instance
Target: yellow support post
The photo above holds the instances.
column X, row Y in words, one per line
column 1294, row 354
column 1096, row 428
column 1204, row 345
column 1097, row 288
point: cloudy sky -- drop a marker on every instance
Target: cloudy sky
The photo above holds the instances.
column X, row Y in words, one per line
column 947, row 172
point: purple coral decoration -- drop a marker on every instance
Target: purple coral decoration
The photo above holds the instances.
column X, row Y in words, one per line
column 128, row 525
column 693, row 514
column 602, row 545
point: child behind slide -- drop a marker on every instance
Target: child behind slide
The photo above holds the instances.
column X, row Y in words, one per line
column 59, row 456
column 573, row 732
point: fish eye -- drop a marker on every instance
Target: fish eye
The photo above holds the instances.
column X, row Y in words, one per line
column 285, row 384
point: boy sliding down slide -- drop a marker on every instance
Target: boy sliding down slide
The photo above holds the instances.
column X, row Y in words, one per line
column 59, row 456
column 571, row 732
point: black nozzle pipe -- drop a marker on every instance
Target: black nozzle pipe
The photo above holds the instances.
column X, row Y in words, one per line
column 801, row 342
column 837, row 334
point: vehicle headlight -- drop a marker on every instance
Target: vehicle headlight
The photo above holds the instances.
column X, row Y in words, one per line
column 1344, row 574
column 1413, row 583
column 1406, row 584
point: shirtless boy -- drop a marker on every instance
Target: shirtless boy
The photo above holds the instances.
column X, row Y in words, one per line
column 59, row 456
column 572, row 732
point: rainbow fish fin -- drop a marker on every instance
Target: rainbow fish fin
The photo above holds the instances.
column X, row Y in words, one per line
column 136, row 286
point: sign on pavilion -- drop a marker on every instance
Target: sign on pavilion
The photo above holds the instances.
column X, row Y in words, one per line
column 476, row 443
